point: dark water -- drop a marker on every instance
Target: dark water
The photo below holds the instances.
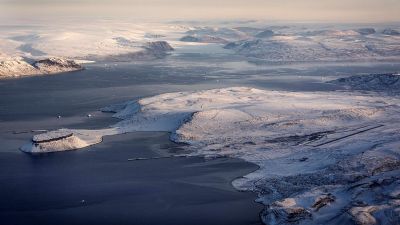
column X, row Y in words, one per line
column 98, row 185
column 103, row 84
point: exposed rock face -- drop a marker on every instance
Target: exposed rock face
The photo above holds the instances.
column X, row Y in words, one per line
column 389, row 83
column 21, row 67
column 322, row 201
column 16, row 67
column 159, row 46
column 390, row 32
column 366, row 31
column 203, row 39
column 265, row 34
column 57, row 65
column 286, row 212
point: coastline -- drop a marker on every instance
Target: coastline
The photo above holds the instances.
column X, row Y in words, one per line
column 81, row 185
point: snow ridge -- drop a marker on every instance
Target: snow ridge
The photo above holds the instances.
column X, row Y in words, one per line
column 18, row 66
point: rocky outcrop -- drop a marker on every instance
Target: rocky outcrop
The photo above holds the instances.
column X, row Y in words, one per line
column 265, row 34
column 16, row 67
column 389, row 83
column 57, row 65
column 390, row 32
column 203, row 39
column 159, row 46
column 366, row 31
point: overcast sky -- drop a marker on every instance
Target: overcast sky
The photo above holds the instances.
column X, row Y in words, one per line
column 281, row 10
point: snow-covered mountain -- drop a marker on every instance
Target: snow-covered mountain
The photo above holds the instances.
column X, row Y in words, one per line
column 389, row 31
column 287, row 48
column 112, row 41
column 148, row 51
column 265, row 34
column 220, row 32
column 204, row 39
column 91, row 41
column 388, row 83
column 366, row 31
column 303, row 43
column 16, row 67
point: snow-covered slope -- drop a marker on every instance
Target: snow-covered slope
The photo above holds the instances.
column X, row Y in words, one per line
column 203, row 39
column 121, row 41
column 366, row 31
column 65, row 139
column 149, row 50
column 324, row 157
column 97, row 39
column 225, row 33
column 388, row 83
column 18, row 66
column 265, row 34
column 315, row 44
column 389, row 31
column 56, row 65
column 326, row 47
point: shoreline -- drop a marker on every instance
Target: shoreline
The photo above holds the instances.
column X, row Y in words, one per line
column 199, row 176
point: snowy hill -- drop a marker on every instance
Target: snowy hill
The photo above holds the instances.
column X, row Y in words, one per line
column 366, row 31
column 389, row 83
column 391, row 32
column 148, row 51
column 265, row 34
column 16, row 67
column 203, row 39
column 320, row 153
column 319, row 46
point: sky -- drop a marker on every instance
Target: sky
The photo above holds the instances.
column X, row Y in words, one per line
column 274, row 10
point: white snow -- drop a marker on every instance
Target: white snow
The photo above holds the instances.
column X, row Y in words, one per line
column 87, row 41
column 17, row 66
column 65, row 139
column 388, row 83
column 323, row 156
column 113, row 40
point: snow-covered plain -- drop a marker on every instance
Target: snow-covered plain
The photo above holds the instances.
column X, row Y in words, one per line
column 95, row 41
column 324, row 157
column 304, row 43
column 83, row 41
column 106, row 40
